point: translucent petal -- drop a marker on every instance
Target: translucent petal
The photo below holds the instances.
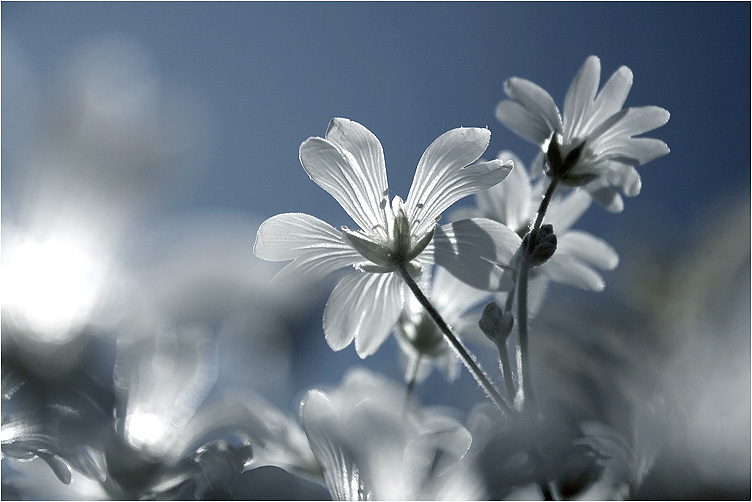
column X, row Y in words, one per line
column 633, row 150
column 477, row 251
column 567, row 271
column 536, row 292
column 627, row 179
column 453, row 187
column 341, row 474
column 588, row 248
column 315, row 247
column 580, row 97
column 536, row 101
column 362, row 149
column 606, row 196
column 627, row 123
column 612, row 96
column 566, row 210
column 441, row 177
column 523, row 123
column 452, row 297
column 339, row 172
column 508, row 202
column 363, row 306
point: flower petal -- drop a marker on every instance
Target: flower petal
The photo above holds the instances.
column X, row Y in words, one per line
column 478, row 251
column 625, row 124
column 585, row 247
column 566, row 210
column 441, row 177
column 536, row 101
column 315, row 247
column 580, row 97
column 605, row 195
column 508, row 202
column 341, row 474
column 351, row 168
column 625, row 178
column 565, row 270
column 453, row 297
column 364, row 306
column 612, row 96
column 523, row 123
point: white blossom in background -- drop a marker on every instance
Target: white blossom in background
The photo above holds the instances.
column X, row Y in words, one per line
column 373, row 445
column 349, row 164
column 422, row 342
column 594, row 137
column 579, row 255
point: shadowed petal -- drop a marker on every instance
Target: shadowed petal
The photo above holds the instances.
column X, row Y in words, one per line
column 315, row 247
column 508, row 202
column 478, row 251
column 364, row 306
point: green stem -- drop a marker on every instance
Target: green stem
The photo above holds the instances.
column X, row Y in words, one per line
column 467, row 359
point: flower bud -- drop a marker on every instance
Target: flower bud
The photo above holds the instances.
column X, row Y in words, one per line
column 495, row 323
column 540, row 245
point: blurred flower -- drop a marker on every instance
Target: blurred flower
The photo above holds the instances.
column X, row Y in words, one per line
column 592, row 145
column 372, row 445
column 422, row 342
column 106, row 140
column 349, row 164
column 578, row 254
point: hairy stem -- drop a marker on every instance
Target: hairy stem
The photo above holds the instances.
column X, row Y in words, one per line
column 506, row 368
column 467, row 359
column 529, row 407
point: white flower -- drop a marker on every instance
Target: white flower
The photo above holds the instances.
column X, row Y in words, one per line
column 578, row 254
column 422, row 342
column 349, row 164
column 593, row 143
column 373, row 446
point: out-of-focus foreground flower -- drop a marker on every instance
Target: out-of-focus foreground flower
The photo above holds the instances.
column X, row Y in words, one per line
column 592, row 144
column 374, row 445
column 349, row 164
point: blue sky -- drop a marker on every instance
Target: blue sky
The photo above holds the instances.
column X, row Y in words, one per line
column 272, row 74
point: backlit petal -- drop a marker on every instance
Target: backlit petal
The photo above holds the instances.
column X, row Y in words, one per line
column 359, row 189
column 522, row 122
column 315, row 247
column 364, row 306
column 508, row 202
column 537, row 101
column 580, row 97
column 440, row 178
column 588, row 248
column 567, row 271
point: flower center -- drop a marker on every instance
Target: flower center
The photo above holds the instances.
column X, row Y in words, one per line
column 396, row 246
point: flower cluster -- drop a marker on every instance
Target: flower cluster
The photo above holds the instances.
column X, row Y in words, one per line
column 160, row 429
column 392, row 236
